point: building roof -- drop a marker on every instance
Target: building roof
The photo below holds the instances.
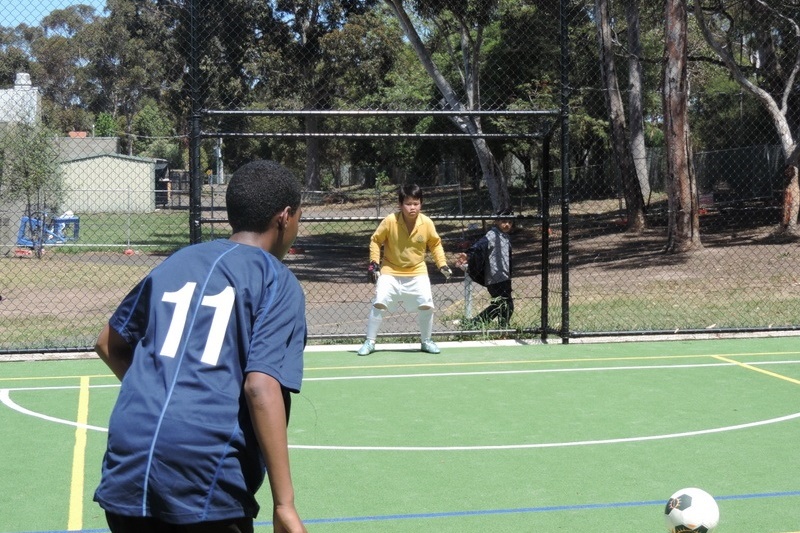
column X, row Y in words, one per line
column 77, row 147
column 115, row 156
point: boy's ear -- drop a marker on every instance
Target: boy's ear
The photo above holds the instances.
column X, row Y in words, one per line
column 283, row 217
column 280, row 219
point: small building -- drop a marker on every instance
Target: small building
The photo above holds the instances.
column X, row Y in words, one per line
column 109, row 183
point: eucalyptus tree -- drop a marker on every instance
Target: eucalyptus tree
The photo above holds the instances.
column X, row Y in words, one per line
column 14, row 56
column 57, row 54
column 636, row 89
column 53, row 54
column 369, row 67
column 308, row 23
column 60, row 56
column 758, row 42
column 521, row 72
column 620, row 133
column 131, row 57
column 460, row 27
column 589, row 135
column 684, row 220
column 254, row 54
column 211, row 57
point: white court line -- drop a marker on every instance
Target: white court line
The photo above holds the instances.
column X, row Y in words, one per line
column 6, row 400
column 544, row 371
column 550, row 444
column 414, row 347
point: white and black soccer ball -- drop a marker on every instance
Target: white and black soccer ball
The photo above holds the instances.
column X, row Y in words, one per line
column 691, row 510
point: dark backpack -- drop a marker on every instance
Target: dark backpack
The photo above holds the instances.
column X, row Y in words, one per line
column 477, row 259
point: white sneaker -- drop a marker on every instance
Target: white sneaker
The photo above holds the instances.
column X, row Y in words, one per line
column 430, row 347
column 367, row 348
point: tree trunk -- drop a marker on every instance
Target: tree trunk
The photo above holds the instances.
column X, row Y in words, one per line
column 634, row 204
column 498, row 190
column 791, row 200
column 788, row 225
column 312, row 178
column 635, row 84
column 684, row 220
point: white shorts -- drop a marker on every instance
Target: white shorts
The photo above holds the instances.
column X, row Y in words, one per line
column 414, row 292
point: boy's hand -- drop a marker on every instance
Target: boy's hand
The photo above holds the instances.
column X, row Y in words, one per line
column 446, row 272
column 374, row 272
column 461, row 261
column 286, row 520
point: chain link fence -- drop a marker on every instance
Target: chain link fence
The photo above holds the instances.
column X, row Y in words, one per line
column 120, row 124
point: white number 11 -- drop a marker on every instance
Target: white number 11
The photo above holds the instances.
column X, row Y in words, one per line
column 222, row 304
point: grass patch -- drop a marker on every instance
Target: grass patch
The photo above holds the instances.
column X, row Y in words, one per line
column 160, row 231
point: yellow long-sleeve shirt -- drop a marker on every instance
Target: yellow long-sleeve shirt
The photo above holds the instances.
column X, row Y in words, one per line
column 404, row 252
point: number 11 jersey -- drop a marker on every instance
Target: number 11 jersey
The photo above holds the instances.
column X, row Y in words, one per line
column 181, row 445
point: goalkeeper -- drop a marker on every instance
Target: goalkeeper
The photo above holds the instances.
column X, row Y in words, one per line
column 404, row 236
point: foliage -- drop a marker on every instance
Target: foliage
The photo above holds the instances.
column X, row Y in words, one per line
column 13, row 55
column 723, row 116
column 30, row 171
column 105, row 125
column 165, row 149
column 127, row 71
column 149, row 126
column 764, row 62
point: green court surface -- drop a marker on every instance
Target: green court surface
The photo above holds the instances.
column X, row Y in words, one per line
column 489, row 437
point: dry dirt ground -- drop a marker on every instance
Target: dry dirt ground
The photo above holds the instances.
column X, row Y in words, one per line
column 740, row 261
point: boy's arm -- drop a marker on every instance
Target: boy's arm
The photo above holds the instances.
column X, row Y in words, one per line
column 114, row 350
column 437, row 250
column 268, row 413
column 374, row 251
column 376, row 242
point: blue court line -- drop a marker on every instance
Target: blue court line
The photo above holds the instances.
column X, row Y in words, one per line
column 487, row 512
column 523, row 510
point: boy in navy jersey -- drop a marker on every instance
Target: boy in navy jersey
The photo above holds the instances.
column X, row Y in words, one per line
column 208, row 347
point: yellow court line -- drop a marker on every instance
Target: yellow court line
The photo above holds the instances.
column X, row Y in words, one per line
column 75, row 521
column 756, row 369
column 554, row 360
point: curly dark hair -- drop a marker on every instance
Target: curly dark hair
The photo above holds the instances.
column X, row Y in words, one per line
column 258, row 191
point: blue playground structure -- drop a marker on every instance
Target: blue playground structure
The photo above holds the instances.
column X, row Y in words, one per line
column 42, row 230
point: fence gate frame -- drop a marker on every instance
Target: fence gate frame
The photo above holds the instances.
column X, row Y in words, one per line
column 560, row 118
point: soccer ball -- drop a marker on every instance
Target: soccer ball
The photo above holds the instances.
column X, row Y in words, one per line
column 691, row 510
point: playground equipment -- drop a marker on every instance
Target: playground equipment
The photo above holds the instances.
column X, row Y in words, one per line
column 41, row 229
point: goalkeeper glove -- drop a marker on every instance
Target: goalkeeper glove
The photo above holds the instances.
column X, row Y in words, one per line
column 446, row 272
column 374, row 272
